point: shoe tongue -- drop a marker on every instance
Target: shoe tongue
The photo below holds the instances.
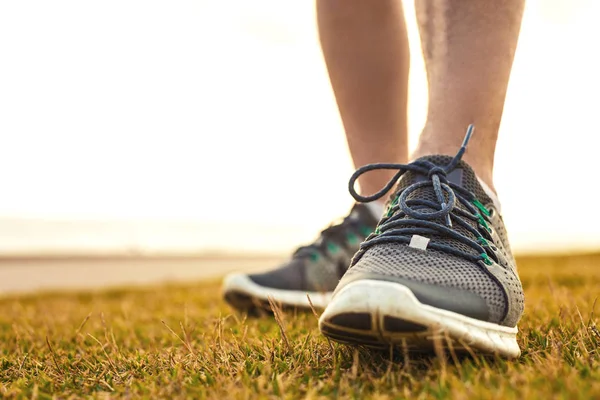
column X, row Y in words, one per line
column 455, row 176
column 463, row 176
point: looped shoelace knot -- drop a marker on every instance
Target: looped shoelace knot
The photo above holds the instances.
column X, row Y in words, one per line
column 406, row 217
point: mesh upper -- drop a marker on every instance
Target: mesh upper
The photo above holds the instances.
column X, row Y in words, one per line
column 439, row 268
column 434, row 268
column 320, row 274
column 325, row 275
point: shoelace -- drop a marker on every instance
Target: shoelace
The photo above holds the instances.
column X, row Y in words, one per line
column 403, row 218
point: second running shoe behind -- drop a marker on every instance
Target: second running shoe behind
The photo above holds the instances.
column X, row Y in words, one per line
column 313, row 270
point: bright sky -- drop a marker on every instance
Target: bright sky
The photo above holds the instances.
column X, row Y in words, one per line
column 211, row 111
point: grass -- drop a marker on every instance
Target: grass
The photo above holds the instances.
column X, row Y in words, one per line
column 184, row 342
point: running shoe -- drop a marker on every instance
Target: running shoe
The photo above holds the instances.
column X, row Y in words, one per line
column 312, row 270
column 437, row 269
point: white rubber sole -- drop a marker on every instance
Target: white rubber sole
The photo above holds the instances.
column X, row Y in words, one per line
column 242, row 293
column 379, row 314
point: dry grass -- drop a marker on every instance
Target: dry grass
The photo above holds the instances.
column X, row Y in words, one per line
column 184, row 342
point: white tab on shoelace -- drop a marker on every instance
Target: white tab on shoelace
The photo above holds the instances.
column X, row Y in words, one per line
column 419, row 242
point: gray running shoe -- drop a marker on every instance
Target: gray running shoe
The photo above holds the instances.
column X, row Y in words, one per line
column 438, row 265
column 313, row 270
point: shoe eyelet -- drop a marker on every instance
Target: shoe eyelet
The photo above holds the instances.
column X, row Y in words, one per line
column 486, row 232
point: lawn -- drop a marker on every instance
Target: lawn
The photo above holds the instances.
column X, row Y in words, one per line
column 185, row 342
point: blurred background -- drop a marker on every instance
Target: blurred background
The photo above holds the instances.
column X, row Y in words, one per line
column 207, row 133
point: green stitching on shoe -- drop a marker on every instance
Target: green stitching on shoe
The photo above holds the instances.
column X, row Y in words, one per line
column 388, row 213
column 352, row 239
column 332, row 248
column 486, row 259
column 482, row 240
column 365, row 230
column 482, row 222
column 393, row 204
column 478, row 204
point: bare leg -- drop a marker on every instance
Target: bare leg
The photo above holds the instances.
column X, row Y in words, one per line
column 366, row 51
column 469, row 47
